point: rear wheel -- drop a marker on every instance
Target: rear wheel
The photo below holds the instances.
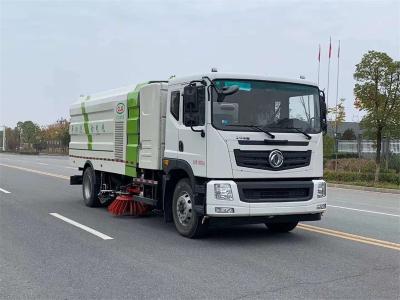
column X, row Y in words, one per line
column 90, row 188
column 281, row 227
column 186, row 220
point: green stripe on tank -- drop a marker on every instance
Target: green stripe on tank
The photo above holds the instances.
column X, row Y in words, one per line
column 132, row 131
column 86, row 124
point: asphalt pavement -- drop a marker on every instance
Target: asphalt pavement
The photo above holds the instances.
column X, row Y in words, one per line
column 54, row 247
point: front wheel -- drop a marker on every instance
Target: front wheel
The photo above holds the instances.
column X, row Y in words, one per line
column 281, row 227
column 186, row 220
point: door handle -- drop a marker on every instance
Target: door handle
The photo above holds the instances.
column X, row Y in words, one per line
column 180, row 146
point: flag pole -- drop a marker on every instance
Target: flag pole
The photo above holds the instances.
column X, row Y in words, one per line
column 337, row 81
column 337, row 110
column 329, row 66
column 319, row 60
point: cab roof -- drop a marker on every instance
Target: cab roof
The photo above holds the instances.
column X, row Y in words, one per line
column 218, row 75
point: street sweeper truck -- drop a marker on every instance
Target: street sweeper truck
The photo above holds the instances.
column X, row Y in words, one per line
column 203, row 150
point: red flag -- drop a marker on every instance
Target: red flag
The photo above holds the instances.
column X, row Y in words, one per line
column 319, row 53
column 330, row 48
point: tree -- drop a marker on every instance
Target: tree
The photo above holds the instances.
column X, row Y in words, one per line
column 377, row 92
column 29, row 133
column 12, row 139
column 329, row 146
column 337, row 114
column 58, row 131
column 348, row 134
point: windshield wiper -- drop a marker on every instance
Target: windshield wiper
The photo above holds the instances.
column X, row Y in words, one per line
column 300, row 131
column 255, row 127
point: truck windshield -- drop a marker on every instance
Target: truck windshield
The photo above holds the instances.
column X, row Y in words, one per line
column 274, row 106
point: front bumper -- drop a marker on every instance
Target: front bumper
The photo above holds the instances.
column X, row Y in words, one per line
column 243, row 207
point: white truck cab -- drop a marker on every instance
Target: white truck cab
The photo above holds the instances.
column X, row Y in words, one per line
column 219, row 148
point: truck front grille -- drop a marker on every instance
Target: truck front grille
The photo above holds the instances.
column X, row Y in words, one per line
column 275, row 191
column 259, row 159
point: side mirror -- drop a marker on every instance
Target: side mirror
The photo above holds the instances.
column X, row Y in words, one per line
column 193, row 105
column 323, row 112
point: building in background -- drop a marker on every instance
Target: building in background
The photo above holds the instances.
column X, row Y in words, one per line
column 353, row 126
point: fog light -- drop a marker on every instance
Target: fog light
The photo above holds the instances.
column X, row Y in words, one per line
column 321, row 192
column 225, row 210
column 223, row 191
column 321, row 206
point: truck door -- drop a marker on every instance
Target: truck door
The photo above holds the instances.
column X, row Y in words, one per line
column 192, row 139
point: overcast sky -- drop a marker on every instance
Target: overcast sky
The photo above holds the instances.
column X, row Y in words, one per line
column 53, row 51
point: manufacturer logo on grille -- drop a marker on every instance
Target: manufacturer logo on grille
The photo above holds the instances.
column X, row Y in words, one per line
column 275, row 158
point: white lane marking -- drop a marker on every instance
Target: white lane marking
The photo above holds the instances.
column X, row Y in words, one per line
column 40, row 163
column 374, row 206
column 81, row 226
column 71, row 168
column 365, row 191
column 4, row 191
column 367, row 211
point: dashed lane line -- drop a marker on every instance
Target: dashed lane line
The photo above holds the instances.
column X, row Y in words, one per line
column 36, row 171
column 4, row 191
column 364, row 210
column 83, row 227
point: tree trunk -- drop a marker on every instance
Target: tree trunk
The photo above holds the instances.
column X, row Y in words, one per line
column 378, row 153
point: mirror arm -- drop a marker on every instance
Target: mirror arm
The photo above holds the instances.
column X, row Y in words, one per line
column 202, row 133
column 203, row 82
column 212, row 84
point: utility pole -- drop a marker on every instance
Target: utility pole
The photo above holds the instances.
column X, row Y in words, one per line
column 4, row 139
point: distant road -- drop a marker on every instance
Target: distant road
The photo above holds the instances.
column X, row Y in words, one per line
column 54, row 247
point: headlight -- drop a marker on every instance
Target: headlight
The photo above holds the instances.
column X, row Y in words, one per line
column 321, row 190
column 223, row 191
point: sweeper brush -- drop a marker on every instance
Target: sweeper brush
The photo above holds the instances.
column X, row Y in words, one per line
column 125, row 205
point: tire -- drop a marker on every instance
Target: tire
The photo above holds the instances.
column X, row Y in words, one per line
column 186, row 220
column 281, row 227
column 90, row 188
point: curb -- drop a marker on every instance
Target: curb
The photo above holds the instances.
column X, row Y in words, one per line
column 363, row 188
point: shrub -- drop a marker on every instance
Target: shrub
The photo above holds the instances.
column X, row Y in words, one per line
column 351, row 177
column 394, row 162
column 329, row 145
column 352, row 165
column 345, row 155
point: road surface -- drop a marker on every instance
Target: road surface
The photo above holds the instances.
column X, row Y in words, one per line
column 53, row 247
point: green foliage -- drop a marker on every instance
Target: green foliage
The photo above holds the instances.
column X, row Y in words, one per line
column 329, row 146
column 342, row 155
column 348, row 134
column 12, row 139
column 351, row 165
column 337, row 114
column 377, row 93
column 356, row 177
column 31, row 137
column 29, row 133
column 394, row 162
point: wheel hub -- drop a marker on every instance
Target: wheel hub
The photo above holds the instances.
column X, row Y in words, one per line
column 184, row 209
